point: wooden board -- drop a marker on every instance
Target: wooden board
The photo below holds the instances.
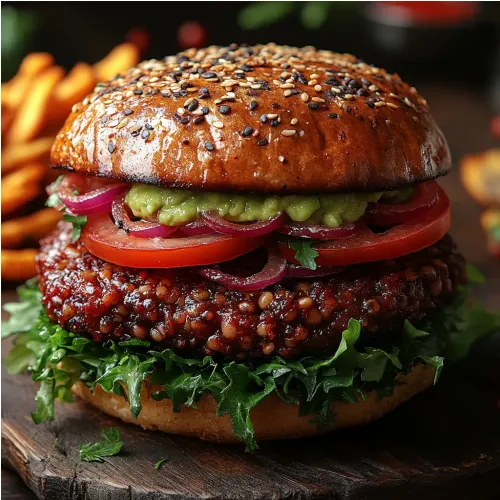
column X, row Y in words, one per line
column 443, row 444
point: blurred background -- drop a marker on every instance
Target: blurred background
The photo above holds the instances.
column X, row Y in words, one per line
column 449, row 50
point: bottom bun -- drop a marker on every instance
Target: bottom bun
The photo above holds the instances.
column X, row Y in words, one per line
column 272, row 418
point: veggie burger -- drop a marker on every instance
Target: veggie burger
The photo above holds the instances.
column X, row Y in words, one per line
column 254, row 247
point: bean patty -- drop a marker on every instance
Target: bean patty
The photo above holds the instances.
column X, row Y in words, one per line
column 196, row 317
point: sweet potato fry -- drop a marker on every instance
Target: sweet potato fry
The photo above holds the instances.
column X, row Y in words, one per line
column 32, row 112
column 18, row 265
column 17, row 155
column 13, row 92
column 79, row 82
column 33, row 227
column 119, row 59
column 21, row 186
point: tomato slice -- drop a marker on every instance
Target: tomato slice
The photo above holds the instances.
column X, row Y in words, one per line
column 367, row 246
column 104, row 240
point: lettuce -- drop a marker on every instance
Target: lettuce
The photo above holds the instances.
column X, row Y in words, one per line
column 57, row 359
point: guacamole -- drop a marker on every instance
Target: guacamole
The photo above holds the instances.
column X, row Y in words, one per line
column 175, row 207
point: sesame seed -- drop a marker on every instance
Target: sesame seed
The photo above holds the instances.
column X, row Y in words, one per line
column 263, row 118
column 263, row 142
column 281, row 159
column 192, row 105
column 209, row 146
column 111, row 147
column 294, row 121
column 380, row 104
column 204, row 110
column 392, row 105
column 288, row 133
column 349, row 96
column 336, row 90
column 313, row 105
column 287, row 93
column 145, row 134
column 313, row 76
column 224, row 110
column 218, row 124
column 122, row 123
column 333, row 115
column 253, row 105
column 317, row 99
column 304, row 97
column 317, row 88
column 247, row 132
column 287, row 86
column 271, row 116
column 275, row 122
column 198, row 119
column 373, row 88
column 127, row 112
column 113, row 123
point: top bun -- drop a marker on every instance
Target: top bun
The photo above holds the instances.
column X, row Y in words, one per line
column 267, row 118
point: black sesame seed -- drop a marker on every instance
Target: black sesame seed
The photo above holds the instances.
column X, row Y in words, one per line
column 138, row 92
column 204, row 93
column 275, row 122
column 127, row 112
column 111, row 147
column 192, row 105
column 370, row 104
column 253, row 105
column 209, row 74
column 198, row 119
column 148, row 126
column 263, row 142
column 176, row 94
column 164, row 93
column 275, row 105
column 313, row 105
column 263, row 118
column 224, row 110
column 209, row 146
column 294, row 92
column 333, row 115
column 247, row 132
column 185, row 142
column 104, row 119
column 145, row 134
column 204, row 110
column 136, row 132
column 363, row 92
column 246, row 68
column 348, row 109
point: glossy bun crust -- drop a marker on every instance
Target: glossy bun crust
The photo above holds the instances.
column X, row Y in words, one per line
column 267, row 118
column 272, row 418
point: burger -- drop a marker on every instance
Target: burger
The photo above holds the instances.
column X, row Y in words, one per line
column 254, row 246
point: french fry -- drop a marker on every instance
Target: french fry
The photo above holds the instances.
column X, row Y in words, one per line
column 31, row 115
column 79, row 82
column 119, row 59
column 21, row 186
column 18, row 265
column 17, row 155
column 7, row 118
column 33, row 227
column 13, row 92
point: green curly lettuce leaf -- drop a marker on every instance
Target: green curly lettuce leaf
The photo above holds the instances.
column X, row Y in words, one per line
column 57, row 359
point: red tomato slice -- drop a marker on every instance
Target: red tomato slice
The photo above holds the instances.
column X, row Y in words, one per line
column 367, row 246
column 104, row 240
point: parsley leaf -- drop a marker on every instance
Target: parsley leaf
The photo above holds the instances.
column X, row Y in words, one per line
column 54, row 201
column 109, row 446
column 304, row 253
column 161, row 462
column 78, row 222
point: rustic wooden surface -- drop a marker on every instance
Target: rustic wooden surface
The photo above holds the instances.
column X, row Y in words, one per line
column 443, row 444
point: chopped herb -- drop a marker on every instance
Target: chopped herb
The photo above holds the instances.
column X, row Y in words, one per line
column 78, row 222
column 54, row 201
column 474, row 275
column 109, row 446
column 161, row 462
column 304, row 253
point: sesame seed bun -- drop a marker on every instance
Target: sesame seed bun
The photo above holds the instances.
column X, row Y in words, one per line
column 267, row 118
column 272, row 418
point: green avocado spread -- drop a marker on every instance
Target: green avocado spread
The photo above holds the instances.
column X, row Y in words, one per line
column 175, row 207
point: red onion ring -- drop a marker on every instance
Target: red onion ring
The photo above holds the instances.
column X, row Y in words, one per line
column 242, row 229
column 141, row 229
column 317, row 232
column 273, row 271
column 90, row 202
column 294, row 271
column 196, row 228
column 424, row 197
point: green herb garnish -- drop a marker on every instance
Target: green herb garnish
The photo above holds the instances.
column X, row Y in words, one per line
column 161, row 462
column 78, row 222
column 109, row 446
column 304, row 253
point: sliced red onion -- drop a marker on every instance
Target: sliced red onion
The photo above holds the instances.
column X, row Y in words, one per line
column 294, row 271
column 242, row 229
column 196, row 228
column 317, row 232
column 90, row 202
column 424, row 197
column 273, row 271
column 141, row 229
